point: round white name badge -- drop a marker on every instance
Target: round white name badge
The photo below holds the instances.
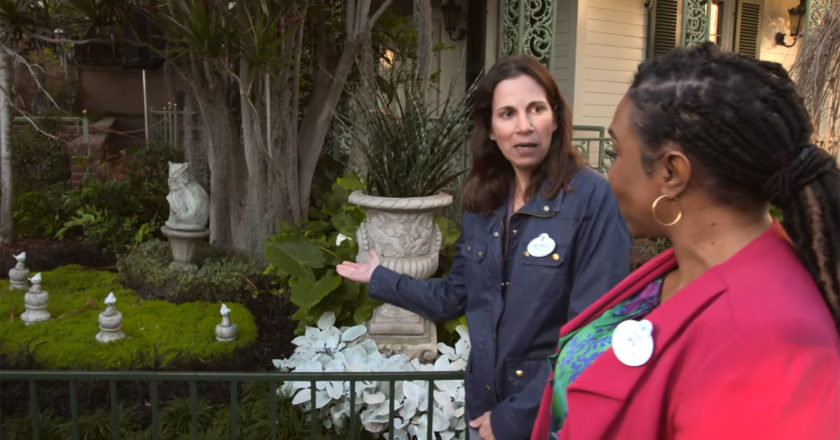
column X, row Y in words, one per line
column 541, row 246
column 632, row 342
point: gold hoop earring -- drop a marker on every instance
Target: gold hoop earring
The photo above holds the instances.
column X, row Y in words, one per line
column 653, row 211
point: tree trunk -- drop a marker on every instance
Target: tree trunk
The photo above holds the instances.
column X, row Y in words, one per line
column 220, row 137
column 266, row 174
column 328, row 89
column 316, row 122
column 6, row 224
column 257, row 212
column 423, row 25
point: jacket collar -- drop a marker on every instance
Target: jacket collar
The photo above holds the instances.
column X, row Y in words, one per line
column 538, row 206
column 607, row 376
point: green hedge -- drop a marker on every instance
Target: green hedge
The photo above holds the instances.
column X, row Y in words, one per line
column 221, row 275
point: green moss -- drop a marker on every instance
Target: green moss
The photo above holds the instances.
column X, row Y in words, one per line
column 159, row 334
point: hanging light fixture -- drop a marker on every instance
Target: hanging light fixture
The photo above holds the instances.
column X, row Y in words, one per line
column 451, row 14
column 794, row 24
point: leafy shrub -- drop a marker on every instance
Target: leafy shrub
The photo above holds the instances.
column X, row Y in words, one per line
column 114, row 215
column 38, row 212
column 221, row 276
column 119, row 214
column 41, row 174
column 38, row 161
column 304, row 256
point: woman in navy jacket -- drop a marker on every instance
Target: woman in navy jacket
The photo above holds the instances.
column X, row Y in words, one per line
column 542, row 238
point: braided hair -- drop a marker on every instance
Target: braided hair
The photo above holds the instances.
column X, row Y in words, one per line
column 746, row 126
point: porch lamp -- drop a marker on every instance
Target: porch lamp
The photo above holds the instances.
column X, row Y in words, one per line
column 795, row 24
column 451, row 13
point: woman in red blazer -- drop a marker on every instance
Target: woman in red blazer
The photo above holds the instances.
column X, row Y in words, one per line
column 733, row 332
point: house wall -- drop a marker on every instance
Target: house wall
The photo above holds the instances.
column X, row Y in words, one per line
column 116, row 90
column 599, row 44
column 774, row 18
column 610, row 43
column 565, row 37
column 611, row 40
column 450, row 62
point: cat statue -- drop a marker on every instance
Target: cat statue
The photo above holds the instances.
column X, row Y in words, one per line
column 188, row 201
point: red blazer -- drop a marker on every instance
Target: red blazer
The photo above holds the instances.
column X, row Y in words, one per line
column 747, row 351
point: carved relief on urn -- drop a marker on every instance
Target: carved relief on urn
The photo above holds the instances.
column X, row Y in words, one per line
column 403, row 233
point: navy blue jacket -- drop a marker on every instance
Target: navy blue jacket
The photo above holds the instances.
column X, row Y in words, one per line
column 515, row 302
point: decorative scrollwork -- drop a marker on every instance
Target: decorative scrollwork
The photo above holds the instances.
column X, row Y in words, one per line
column 527, row 26
column 695, row 22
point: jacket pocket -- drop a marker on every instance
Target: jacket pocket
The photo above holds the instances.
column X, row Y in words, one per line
column 474, row 250
column 553, row 259
column 519, row 372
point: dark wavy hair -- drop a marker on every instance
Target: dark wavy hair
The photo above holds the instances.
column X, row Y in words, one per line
column 491, row 175
column 746, row 129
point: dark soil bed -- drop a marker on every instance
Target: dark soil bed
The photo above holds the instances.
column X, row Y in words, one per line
column 45, row 254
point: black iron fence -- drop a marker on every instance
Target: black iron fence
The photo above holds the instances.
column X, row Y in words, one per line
column 155, row 380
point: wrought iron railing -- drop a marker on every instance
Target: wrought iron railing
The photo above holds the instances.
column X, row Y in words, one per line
column 233, row 379
column 594, row 146
column 166, row 125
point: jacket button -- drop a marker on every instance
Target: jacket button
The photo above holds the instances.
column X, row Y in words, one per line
column 515, row 232
column 495, row 233
column 480, row 253
column 519, row 373
column 545, row 208
column 555, row 257
column 526, row 254
column 469, row 248
column 487, row 387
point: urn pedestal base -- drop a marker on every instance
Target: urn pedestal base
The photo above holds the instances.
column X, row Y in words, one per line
column 183, row 245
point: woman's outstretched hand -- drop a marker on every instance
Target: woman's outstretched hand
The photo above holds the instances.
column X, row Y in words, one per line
column 360, row 272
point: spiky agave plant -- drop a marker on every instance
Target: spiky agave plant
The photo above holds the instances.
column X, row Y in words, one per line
column 412, row 141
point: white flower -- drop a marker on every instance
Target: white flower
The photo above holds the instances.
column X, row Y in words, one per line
column 340, row 238
column 329, row 349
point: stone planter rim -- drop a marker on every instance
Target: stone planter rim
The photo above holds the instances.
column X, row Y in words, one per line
column 438, row 200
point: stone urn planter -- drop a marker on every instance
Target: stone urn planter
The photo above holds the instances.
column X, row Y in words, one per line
column 403, row 233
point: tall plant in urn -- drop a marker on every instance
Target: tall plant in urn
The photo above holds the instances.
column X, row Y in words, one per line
column 413, row 145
